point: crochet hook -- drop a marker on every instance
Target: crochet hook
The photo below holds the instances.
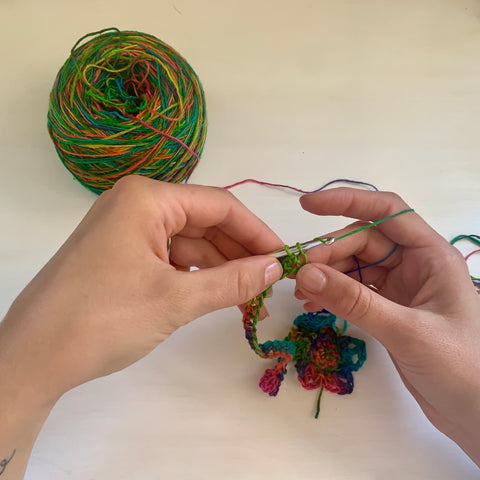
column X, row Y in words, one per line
column 281, row 253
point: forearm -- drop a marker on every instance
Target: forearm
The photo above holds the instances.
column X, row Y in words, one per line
column 18, row 432
column 470, row 445
column 467, row 437
column 23, row 410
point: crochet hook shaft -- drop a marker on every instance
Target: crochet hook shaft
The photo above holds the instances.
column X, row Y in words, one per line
column 303, row 246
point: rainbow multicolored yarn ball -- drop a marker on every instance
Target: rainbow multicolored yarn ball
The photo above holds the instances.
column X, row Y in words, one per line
column 125, row 103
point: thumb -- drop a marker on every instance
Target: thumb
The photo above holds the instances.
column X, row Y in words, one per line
column 328, row 288
column 232, row 283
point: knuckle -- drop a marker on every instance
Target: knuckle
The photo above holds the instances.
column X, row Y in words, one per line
column 359, row 304
column 104, row 197
column 244, row 283
column 134, row 192
column 212, row 235
column 228, row 194
column 357, row 224
column 392, row 203
column 394, row 198
column 105, row 194
column 209, row 189
column 229, row 197
column 451, row 258
column 130, row 182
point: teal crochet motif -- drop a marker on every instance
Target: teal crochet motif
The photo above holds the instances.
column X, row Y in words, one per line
column 324, row 357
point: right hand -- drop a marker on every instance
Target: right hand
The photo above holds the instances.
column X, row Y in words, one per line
column 421, row 304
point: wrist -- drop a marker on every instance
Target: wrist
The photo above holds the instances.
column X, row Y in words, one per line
column 466, row 437
column 23, row 411
column 468, row 442
column 463, row 427
column 26, row 386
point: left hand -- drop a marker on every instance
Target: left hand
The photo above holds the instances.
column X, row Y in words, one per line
column 111, row 294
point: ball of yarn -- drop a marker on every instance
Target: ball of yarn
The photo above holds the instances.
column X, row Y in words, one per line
column 126, row 103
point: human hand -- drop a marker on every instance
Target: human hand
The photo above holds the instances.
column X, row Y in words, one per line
column 110, row 295
column 420, row 303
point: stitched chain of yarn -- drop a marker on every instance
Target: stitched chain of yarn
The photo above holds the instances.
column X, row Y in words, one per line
column 125, row 103
column 324, row 357
column 284, row 350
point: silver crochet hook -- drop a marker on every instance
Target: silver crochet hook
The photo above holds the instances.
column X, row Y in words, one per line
column 281, row 253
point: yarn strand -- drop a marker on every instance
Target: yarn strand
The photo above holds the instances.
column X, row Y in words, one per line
column 475, row 239
column 317, row 411
column 324, row 357
column 299, row 190
column 373, row 224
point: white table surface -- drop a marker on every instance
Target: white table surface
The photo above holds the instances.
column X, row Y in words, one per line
column 298, row 92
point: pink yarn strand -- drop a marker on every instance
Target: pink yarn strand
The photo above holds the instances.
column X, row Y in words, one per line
column 472, row 253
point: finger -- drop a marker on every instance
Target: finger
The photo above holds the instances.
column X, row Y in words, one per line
column 164, row 209
column 375, row 276
column 196, row 252
column 367, row 273
column 229, row 284
column 301, row 296
column 408, row 229
column 374, row 282
column 312, row 307
column 389, row 322
column 225, row 244
column 181, row 268
column 369, row 246
column 202, row 254
column 198, row 206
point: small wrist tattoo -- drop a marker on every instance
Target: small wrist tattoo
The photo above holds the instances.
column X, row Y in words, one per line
column 5, row 462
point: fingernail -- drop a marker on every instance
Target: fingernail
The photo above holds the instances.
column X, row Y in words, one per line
column 313, row 279
column 273, row 273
